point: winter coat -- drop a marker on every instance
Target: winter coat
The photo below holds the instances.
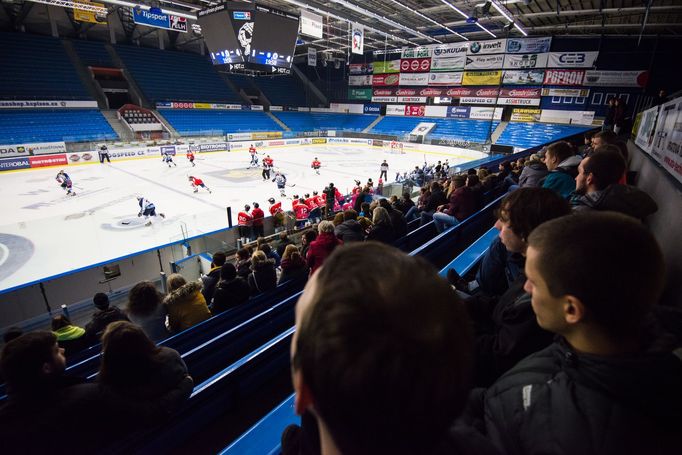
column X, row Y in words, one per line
column 382, row 232
column 102, row 318
column 229, row 294
column 436, row 199
column 349, row 231
column 186, row 307
column 292, row 270
column 462, row 203
column 282, row 244
column 243, row 268
column 320, row 248
column 532, row 175
column 499, row 269
column 154, row 324
column 209, row 283
column 562, row 179
column 617, row 198
column 398, row 222
column 263, row 277
column 560, row 401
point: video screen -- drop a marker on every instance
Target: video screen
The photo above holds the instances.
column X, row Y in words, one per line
column 227, row 32
column 274, row 40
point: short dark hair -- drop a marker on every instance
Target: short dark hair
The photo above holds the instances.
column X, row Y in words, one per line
column 607, row 136
column 219, row 258
column 387, row 376
column 589, row 134
column 60, row 321
column 101, row 300
column 561, row 150
column 473, row 180
column 143, row 299
column 528, row 208
column 243, row 253
column 606, row 166
column 228, row 272
column 350, row 215
column 613, row 265
column 127, row 355
column 22, row 360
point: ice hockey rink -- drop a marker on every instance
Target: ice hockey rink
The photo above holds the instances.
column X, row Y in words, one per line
column 45, row 233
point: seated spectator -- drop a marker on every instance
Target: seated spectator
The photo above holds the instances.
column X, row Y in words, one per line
column 609, row 384
column 562, row 164
column 404, row 204
column 284, row 240
column 293, row 265
column 338, row 219
column 474, row 183
column 350, row 230
column 307, row 237
column 597, row 187
column 210, row 280
column 12, row 333
column 413, row 212
column 243, row 264
column 263, row 277
column 231, row 291
column 270, row 254
column 382, row 229
column 462, row 204
column 104, row 316
column 604, row 138
column 533, row 173
column 587, row 149
column 185, row 304
column 398, row 221
column 498, row 269
column 71, row 338
column 146, row 310
column 378, row 373
column 365, row 210
column 435, row 200
column 322, row 246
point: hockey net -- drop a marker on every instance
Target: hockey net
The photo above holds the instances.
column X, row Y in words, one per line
column 394, row 147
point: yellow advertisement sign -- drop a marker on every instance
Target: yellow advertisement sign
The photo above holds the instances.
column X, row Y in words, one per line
column 525, row 115
column 482, row 78
column 262, row 136
column 390, row 66
column 82, row 15
column 203, row 106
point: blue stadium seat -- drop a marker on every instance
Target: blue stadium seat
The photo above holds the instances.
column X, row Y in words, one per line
column 312, row 121
column 458, row 129
column 527, row 135
column 93, row 53
column 282, row 90
column 44, row 125
column 197, row 122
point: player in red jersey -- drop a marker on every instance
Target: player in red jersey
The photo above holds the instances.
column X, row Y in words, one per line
column 302, row 212
column 257, row 215
column 190, row 157
column 315, row 210
column 267, row 167
column 244, row 221
column 254, row 156
column 277, row 213
column 197, row 183
column 319, row 199
column 316, row 165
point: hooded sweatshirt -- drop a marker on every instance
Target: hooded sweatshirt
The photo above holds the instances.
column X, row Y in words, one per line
column 532, row 174
column 617, row 198
column 562, row 179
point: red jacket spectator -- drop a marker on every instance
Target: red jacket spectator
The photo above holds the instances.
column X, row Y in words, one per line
column 462, row 203
column 322, row 247
column 257, row 216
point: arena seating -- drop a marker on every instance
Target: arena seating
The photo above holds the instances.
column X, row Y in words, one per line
column 37, row 67
column 175, row 76
column 526, row 135
column 464, row 130
column 283, row 90
column 44, row 125
column 206, row 122
column 311, row 121
column 93, row 53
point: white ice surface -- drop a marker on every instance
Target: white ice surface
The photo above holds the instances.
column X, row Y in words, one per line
column 70, row 233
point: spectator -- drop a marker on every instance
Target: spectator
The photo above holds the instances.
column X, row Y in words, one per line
column 284, row 240
column 404, row 204
column 436, row 199
column 366, row 360
column 12, row 333
column 329, row 193
column 263, row 277
column 338, row 219
column 533, row 173
column 293, row 265
column 382, row 229
column 350, row 230
column 185, row 304
column 398, row 221
column 306, row 239
column 322, row 246
column 606, row 375
column 104, row 316
column 267, row 249
column 661, row 98
column 365, row 210
column 414, row 211
column 231, row 290
column 462, row 204
column 610, row 115
column 603, row 138
column 243, row 264
column 562, row 164
column 210, row 280
column 146, row 309
column 586, row 150
column 597, row 187
column 474, row 183
column 618, row 115
column 70, row 337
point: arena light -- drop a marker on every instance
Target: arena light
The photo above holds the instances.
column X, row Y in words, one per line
column 466, row 16
column 429, row 19
column 69, row 4
column 507, row 15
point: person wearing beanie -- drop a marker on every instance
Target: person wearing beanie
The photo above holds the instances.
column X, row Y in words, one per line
column 103, row 316
column 70, row 337
column 231, row 290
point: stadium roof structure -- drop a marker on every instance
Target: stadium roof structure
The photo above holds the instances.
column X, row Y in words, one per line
column 388, row 24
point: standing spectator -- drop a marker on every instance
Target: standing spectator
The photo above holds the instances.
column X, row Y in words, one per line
column 322, row 246
column 384, row 170
column 257, row 216
column 70, row 337
column 329, row 194
column 293, row 265
column 349, row 230
column 618, row 115
column 562, row 164
column 104, row 316
column 243, row 264
column 146, row 309
column 382, row 229
column 185, row 304
column 210, row 280
column 610, row 115
column 231, row 291
column 263, row 276
column 661, row 98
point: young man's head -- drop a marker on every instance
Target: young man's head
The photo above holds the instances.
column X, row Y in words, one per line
column 604, row 138
column 385, row 367
column 101, row 301
column 587, row 137
column 525, row 209
column 556, row 153
column 593, row 274
column 218, row 259
column 31, row 361
column 605, row 167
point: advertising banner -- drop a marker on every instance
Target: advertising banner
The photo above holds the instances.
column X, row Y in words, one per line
column 276, row 108
column 448, row 63
column 451, row 49
column 47, row 104
column 387, row 67
column 382, row 80
column 42, row 148
column 505, row 101
column 215, row 147
column 415, row 52
column 497, row 46
column 312, row 56
column 318, row 140
column 361, row 68
column 357, row 81
column 10, row 151
column 525, row 61
column 566, row 92
column 667, row 145
column 267, row 135
column 564, row 77
column 445, row 79
column 528, row 45
column 395, row 109
column 647, row 127
column 390, row 92
column 414, row 111
column 371, row 109
column 159, row 20
column 482, row 78
column 572, row 59
column 484, row 62
column 525, row 115
column 358, row 40
column 48, row 160
column 91, row 17
column 311, row 24
column 526, row 92
column 239, row 137
column 412, row 99
column 384, row 99
column 415, row 65
column 458, row 111
column 11, row 164
column 422, row 128
column 414, row 79
column 617, row 78
column 562, row 116
column 523, row 77
column 486, row 113
column 359, row 93
column 477, row 100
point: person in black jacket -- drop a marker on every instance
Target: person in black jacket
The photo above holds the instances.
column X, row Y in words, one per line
column 263, row 276
column 104, row 316
column 436, row 199
column 609, row 384
column 231, row 290
column 382, row 229
column 210, row 280
column 350, row 230
column 398, row 220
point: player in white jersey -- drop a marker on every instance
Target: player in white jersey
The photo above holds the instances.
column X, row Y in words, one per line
column 147, row 208
column 65, row 182
column 168, row 159
column 281, row 181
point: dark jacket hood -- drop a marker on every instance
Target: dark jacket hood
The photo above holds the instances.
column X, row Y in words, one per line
column 619, row 198
column 183, row 292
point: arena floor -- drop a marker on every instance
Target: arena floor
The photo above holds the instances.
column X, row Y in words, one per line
column 45, row 233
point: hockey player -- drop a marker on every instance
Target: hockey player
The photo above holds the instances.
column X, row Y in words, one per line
column 315, row 210
column 254, row 156
column 319, row 200
column 104, row 154
column 277, row 213
column 269, row 160
column 267, row 167
column 384, row 170
column 302, row 212
column 257, row 215
column 245, row 221
column 316, row 165
column 190, row 157
column 281, row 181
column 168, row 159
column 65, row 182
column 197, row 183
column 147, row 209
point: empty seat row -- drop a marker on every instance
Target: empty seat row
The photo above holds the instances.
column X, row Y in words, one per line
column 26, row 126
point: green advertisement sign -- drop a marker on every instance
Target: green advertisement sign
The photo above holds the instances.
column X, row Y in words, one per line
column 359, row 93
column 390, row 66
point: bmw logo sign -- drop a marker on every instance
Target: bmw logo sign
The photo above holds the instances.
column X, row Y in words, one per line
column 475, row 47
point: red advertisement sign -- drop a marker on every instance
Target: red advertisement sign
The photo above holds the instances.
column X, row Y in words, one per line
column 183, row 105
column 431, row 92
column 530, row 92
column 48, row 160
column 385, row 79
column 564, row 77
column 415, row 65
column 414, row 111
column 406, row 92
